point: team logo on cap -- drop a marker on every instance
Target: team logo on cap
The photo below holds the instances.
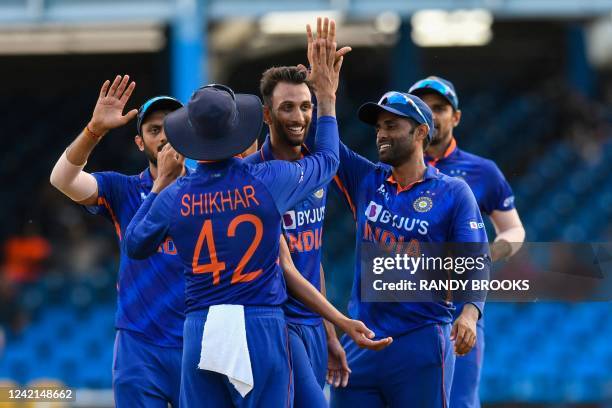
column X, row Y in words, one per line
column 319, row 193
column 422, row 204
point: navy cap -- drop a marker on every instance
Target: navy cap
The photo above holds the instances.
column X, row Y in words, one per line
column 216, row 124
column 156, row 104
column 401, row 104
column 438, row 85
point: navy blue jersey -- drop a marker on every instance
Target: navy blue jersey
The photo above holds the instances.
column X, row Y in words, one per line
column 487, row 182
column 150, row 292
column 436, row 209
column 225, row 220
column 303, row 230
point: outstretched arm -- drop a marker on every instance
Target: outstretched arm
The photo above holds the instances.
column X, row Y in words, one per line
column 313, row 299
column 68, row 175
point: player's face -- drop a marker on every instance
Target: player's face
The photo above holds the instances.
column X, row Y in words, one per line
column 395, row 139
column 153, row 137
column 291, row 112
column 444, row 116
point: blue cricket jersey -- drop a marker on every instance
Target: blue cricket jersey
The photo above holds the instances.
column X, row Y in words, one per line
column 492, row 191
column 436, row 209
column 151, row 291
column 225, row 220
column 486, row 180
column 303, row 230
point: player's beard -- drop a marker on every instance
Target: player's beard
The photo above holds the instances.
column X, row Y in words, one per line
column 151, row 154
column 439, row 137
column 279, row 130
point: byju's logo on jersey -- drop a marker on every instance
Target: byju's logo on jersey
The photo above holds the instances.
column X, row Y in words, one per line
column 373, row 211
column 293, row 219
column 289, row 220
column 422, row 204
column 376, row 213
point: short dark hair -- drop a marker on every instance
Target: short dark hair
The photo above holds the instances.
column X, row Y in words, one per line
column 272, row 76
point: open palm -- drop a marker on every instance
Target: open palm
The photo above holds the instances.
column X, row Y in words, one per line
column 108, row 113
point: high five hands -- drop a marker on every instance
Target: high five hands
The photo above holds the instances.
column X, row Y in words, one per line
column 108, row 112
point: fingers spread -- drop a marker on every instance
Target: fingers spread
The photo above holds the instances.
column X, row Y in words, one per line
column 128, row 92
column 114, row 86
column 104, row 88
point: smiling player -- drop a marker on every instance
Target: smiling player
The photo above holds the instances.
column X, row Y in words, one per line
column 288, row 112
column 417, row 369
column 494, row 197
column 225, row 220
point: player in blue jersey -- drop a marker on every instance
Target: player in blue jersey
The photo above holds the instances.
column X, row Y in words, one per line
column 401, row 200
column 225, row 220
column 288, row 111
column 494, row 197
column 150, row 299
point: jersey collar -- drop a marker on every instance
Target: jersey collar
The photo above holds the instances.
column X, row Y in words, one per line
column 145, row 177
column 451, row 149
column 266, row 150
column 430, row 173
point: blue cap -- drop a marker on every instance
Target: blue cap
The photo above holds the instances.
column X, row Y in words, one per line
column 438, row 85
column 401, row 104
column 155, row 104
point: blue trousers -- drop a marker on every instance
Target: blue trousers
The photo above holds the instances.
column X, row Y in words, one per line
column 415, row 371
column 145, row 375
column 268, row 344
column 466, row 380
column 309, row 357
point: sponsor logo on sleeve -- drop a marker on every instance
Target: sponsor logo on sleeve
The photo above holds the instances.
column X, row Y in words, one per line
column 508, row 201
column 476, row 225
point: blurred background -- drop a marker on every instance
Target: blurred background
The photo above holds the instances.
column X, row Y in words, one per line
column 534, row 80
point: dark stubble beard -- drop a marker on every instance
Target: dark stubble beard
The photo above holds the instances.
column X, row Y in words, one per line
column 280, row 131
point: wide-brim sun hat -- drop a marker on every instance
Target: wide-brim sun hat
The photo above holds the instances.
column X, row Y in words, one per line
column 216, row 123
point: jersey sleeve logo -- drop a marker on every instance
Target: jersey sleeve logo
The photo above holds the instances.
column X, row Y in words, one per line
column 319, row 193
column 476, row 225
column 422, row 204
column 508, row 201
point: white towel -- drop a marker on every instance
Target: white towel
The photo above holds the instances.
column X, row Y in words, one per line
column 224, row 346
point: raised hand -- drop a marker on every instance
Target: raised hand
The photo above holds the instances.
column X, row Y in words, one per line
column 326, row 30
column 108, row 112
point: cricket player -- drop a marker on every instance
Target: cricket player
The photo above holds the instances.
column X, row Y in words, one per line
column 401, row 199
column 494, row 197
column 150, row 298
column 225, row 220
column 288, row 112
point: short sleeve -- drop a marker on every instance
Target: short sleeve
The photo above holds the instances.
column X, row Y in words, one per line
column 499, row 195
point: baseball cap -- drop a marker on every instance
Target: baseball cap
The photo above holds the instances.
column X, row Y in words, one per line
column 154, row 104
column 441, row 86
column 216, row 123
column 401, row 104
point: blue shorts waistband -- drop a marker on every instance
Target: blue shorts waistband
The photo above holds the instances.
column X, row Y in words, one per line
column 249, row 311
